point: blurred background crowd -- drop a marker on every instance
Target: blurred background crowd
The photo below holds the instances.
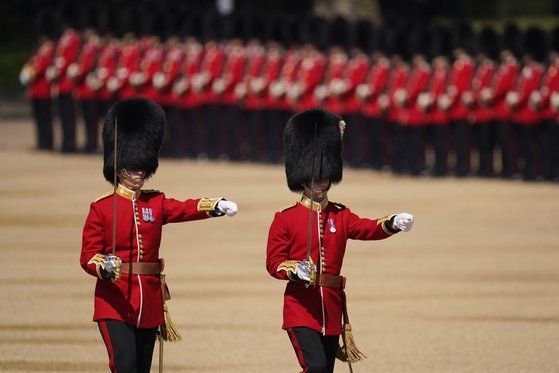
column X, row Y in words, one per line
column 419, row 96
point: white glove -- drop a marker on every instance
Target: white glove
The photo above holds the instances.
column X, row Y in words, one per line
column 304, row 270
column 227, row 207
column 403, row 222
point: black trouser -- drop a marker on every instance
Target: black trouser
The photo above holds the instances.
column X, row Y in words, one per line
column 42, row 112
column 438, row 143
column 250, row 148
column 413, row 149
column 172, row 144
column 550, row 148
column 188, row 133
column 461, row 147
column 130, row 349
column 503, row 139
column 67, row 112
column 526, row 139
column 484, row 143
column 374, row 148
column 356, row 140
column 394, row 151
column 90, row 110
column 275, row 122
column 316, row 353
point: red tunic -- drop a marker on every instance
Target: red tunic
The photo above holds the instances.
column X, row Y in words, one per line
column 152, row 63
column 309, row 75
column 67, row 51
column 412, row 115
column 482, row 78
column 528, row 82
column 232, row 74
column 397, row 81
column 377, row 82
column 164, row 80
column 106, row 68
column 134, row 299
column 437, row 87
column 190, row 98
column 85, row 64
column 337, row 63
column 354, row 75
column 549, row 86
column 502, row 83
column 277, row 97
column 270, row 73
column 253, row 82
column 316, row 307
column 212, row 65
column 129, row 63
column 459, row 82
column 39, row 86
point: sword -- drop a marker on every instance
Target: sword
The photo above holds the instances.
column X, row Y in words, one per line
column 312, row 272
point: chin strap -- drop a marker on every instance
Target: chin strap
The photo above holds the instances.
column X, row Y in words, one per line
column 126, row 175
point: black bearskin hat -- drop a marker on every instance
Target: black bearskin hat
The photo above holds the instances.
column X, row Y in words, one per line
column 301, row 146
column 140, row 129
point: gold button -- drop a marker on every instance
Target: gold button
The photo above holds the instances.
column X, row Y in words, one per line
column 140, row 236
column 141, row 256
column 141, row 252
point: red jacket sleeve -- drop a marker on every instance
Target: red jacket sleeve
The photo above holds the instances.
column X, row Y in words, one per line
column 178, row 211
column 368, row 229
column 277, row 250
column 92, row 240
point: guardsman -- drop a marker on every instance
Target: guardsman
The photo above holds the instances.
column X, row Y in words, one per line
column 130, row 293
column 368, row 94
column 202, row 84
column 494, row 97
column 249, row 94
column 86, row 92
column 412, row 116
column 152, row 61
column 229, row 125
column 460, row 81
column 480, row 115
column 392, row 103
column 106, row 68
column 307, row 242
column 437, row 117
column 128, row 63
column 39, row 88
column 349, row 104
column 524, row 114
column 279, row 106
column 163, row 81
column 328, row 94
column 550, row 132
column 189, row 100
column 309, row 75
column 67, row 50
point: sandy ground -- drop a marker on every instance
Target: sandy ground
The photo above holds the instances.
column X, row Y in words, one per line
column 473, row 288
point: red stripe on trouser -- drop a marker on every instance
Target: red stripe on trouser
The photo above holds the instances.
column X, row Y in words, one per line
column 108, row 344
column 297, row 349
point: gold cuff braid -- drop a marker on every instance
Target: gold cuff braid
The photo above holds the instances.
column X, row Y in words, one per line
column 385, row 228
column 289, row 266
column 208, row 204
column 98, row 260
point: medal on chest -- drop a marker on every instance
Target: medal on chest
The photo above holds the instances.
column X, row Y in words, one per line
column 332, row 225
column 147, row 214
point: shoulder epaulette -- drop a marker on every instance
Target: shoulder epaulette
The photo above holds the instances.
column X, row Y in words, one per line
column 150, row 191
column 338, row 205
column 288, row 207
column 103, row 196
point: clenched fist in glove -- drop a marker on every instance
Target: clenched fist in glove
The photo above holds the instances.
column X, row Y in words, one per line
column 227, row 207
column 305, row 269
column 402, row 221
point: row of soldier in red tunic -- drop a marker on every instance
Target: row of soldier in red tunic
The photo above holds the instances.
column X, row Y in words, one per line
column 187, row 75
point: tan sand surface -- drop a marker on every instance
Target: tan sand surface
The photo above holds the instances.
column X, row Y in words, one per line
column 473, row 288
